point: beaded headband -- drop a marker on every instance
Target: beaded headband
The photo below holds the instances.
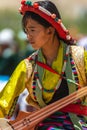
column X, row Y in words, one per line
column 63, row 33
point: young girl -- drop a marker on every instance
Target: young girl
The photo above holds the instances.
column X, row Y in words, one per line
column 54, row 71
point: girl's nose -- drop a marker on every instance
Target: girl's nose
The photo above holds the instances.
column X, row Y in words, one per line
column 29, row 36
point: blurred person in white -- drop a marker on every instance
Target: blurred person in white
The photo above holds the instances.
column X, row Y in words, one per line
column 9, row 57
column 82, row 42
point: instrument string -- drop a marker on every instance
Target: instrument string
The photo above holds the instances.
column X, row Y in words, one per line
column 46, row 111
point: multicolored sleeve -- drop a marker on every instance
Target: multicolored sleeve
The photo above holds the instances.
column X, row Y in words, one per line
column 13, row 88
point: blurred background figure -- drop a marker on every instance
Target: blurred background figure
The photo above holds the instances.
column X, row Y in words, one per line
column 82, row 42
column 9, row 52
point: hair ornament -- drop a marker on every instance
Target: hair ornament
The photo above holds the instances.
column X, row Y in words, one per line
column 53, row 16
column 35, row 5
column 68, row 37
column 44, row 10
column 63, row 33
column 56, row 19
column 62, row 25
column 23, row 2
column 28, row 3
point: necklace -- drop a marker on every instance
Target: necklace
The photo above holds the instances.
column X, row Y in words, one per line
column 61, row 75
column 36, row 77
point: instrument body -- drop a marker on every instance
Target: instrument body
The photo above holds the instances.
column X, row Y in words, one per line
column 4, row 125
column 13, row 125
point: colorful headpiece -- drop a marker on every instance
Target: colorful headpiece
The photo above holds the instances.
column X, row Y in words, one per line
column 63, row 33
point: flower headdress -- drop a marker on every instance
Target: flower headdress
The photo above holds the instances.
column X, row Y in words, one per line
column 63, row 33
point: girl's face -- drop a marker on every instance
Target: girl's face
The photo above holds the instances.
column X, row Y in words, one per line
column 36, row 34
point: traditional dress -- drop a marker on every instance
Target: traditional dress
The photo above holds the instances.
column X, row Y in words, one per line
column 46, row 87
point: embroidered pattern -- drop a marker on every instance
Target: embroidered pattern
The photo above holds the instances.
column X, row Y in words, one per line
column 57, row 121
column 74, row 71
column 12, row 108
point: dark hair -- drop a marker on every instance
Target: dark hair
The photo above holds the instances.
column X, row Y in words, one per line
column 45, row 4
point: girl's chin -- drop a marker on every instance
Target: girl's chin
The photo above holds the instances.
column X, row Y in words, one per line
column 36, row 48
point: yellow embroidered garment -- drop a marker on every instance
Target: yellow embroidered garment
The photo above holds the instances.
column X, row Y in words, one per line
column 50, row 80
column 13, row 88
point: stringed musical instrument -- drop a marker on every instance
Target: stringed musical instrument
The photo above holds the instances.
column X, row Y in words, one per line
column 29, row 121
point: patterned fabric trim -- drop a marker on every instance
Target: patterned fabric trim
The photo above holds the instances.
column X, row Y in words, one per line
column 74, row 71
column 12, row 108
column 78, row 51
column 57, row 121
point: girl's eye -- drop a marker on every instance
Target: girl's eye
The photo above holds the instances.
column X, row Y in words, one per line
column 25, row 30
column 32, row 30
